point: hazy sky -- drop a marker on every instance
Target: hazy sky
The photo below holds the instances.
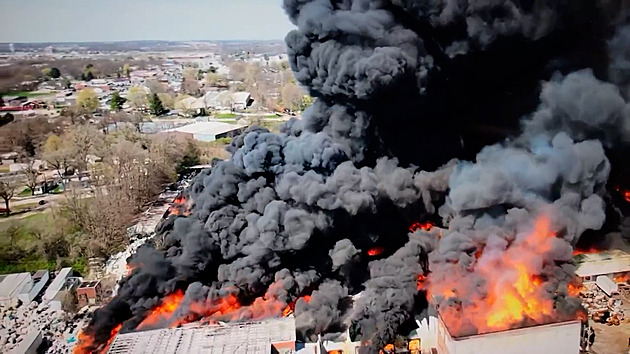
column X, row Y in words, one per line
column 116, row 20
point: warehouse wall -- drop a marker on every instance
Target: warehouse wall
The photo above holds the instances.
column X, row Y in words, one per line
column 559, row 338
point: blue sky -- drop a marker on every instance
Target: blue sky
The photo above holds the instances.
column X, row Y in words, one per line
column 116, row 20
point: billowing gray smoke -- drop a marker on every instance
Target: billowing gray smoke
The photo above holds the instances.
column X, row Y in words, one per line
column 403, row 87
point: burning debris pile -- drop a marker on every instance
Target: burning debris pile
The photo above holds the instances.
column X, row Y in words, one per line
column 385, row 188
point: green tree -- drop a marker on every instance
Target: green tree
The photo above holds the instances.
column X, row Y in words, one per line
column 52, row 73
column 116, row 103
column 87, row 99
column 87, row 76
column 156, row 106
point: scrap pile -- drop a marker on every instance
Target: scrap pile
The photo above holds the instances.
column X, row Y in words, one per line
column 18, row 322
column 602, row 308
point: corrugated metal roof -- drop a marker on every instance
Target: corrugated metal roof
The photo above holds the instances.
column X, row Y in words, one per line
column 608, row 262
column 237, row 338
column 207, row 128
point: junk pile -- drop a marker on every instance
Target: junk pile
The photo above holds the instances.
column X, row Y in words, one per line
column 56, row 326
column 601, row 307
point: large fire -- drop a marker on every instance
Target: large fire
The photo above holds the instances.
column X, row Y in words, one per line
column 86, row 342
column 226, row 308
column 514, row 292
column 164, row 311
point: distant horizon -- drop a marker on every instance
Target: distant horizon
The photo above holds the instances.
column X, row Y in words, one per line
column 76, row 21
column 153, row 40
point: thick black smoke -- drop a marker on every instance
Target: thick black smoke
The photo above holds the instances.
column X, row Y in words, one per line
column 403, row 87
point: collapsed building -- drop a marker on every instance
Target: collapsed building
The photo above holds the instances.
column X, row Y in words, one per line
column 455, row 154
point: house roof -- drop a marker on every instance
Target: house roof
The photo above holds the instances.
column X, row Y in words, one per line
column 207, row 128
column 590, row 264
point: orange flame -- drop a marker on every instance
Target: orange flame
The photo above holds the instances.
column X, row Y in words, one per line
column 574, row 289
column 513, row 295
column 291, row 307
column 426, row 226
column 86, row 342
column 421, row 279
column 164, row 311
column 179, row 203
column 579, row 251
column 626, row 195
column 622, row 278
column 376, row 251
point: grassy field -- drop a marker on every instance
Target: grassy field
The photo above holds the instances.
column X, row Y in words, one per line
column 25, row 193
column 21, row 245
column 225, row 115
column 26, row 93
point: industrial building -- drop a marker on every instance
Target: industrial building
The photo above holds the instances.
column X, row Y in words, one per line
column 209, row 131
column 612, row 264
column 61, row 287
column 262, row 337
column 557, row 338
column 21, row 286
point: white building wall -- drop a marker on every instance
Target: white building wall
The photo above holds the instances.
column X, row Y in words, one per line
column 557, row 338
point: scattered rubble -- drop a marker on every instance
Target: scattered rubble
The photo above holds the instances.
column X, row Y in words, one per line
column 56, row 326
column 139, row 233
column 602, row 308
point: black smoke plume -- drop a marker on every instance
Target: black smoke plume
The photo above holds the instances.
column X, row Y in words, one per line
column 403, row 88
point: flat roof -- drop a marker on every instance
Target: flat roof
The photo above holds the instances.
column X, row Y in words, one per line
column 608, row 262
column 12, row 284
column 207, row 128
column 508, row 331
column 238, row 338
column 89, row 284
column 57, row 284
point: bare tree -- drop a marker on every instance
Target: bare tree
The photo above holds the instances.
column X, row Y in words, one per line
column 31, row 172
column 84, row 140
column 291, row 95
column 103, row 219
column 7, row 192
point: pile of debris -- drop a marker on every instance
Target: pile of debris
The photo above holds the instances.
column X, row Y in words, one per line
column 602, row 308
column 139, row 233
column 18, row 321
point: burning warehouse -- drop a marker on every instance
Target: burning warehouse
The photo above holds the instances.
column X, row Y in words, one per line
column 263, row 337
column 457, row 151
column 557, row 338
